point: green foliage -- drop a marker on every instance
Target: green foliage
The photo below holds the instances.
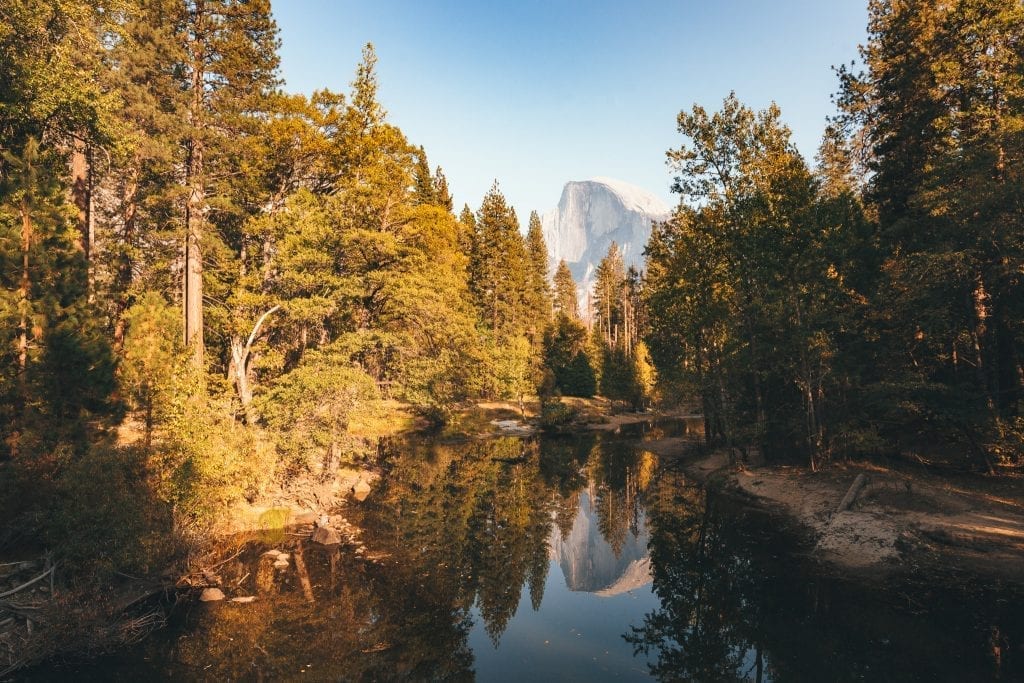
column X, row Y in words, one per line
column 752, row 326
column 311, row 407
column 566, row 297
column 498, row 267
column 57, row 368
column 568, row 357
column 106, row 518
column 609, row 282
column 538, row 291
column 152, row 356
column 514, row 369
column 554, row 413
column 937, row 119
column 205, row 463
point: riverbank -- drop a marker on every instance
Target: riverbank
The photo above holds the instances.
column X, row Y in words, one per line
column 897, row 520
column 495, row 418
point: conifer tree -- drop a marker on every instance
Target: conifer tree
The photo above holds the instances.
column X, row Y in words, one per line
column 423, row 181
column 442, row 194
column 538, row 289
column 939, row 104
column 498, row 266
column 566, row 296
column 143, row 174
column 230, row 68
column 609, row 287
column 467, row 231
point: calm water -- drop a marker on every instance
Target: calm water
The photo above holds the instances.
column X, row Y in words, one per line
column 570, row 558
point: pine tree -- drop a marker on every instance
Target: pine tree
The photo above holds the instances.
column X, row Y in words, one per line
column 538, row 289
column 498, row 266
column 441, row 192
column 566, row 294
column 467, row 231
column 568, row 358
column 57, row 369
column 609, row 287
column 939, row 106
column 230, row 68
column 424, row 188
column 762, row 308
column 144, row 172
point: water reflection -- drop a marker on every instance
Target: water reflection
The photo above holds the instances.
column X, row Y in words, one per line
column 569, row 558
column 485, row 519
column 741, row 601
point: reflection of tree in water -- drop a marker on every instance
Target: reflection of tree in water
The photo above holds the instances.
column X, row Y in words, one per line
column 462, row 525
column 738, row 604
column 694, row 634
column 618, row 476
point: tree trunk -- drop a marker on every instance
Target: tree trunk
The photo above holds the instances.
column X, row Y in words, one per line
column 149, row 417
column 81, row 194
column 240, row 376
column 980, row 335
column 24, row 290
column 238, row 369
column 196, row 203
column 125, row 275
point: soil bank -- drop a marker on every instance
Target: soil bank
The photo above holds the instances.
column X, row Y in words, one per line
column 900, row 521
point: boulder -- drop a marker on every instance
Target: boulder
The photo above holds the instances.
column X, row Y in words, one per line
column 244, row 600
column 361, row 490
column 325, row 535
column 211, row 595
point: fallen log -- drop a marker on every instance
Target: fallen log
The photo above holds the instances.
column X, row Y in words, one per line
column 28, row 583
column 852, row 492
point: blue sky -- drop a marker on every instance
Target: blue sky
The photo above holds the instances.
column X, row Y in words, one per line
column 536, row 93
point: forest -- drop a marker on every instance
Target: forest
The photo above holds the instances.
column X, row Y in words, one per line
column 873, row 303
column 212, row 287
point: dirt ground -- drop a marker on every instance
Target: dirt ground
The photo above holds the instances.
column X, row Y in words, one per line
column 900, row 520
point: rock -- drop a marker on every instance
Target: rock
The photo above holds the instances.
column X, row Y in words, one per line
column 244, row 600
column 361, row 490
column 211, row 595
column 305, row 518
column 281, row 564
column 592, row 214
column 325, row 535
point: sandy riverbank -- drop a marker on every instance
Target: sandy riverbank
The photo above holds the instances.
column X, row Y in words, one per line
column 899, row 521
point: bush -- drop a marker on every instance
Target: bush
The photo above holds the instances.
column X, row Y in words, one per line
column 310, row 409
column 554, row 413
column 106, row 516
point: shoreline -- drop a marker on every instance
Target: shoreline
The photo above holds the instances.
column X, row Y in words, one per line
column 900, row 524
column 897, row 522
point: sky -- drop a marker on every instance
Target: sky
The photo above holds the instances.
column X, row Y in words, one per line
column 535, row 93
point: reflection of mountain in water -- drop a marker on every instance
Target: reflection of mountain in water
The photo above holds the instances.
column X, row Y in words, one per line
column 588, row 561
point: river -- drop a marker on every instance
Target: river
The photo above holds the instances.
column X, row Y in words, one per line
column 578, row 558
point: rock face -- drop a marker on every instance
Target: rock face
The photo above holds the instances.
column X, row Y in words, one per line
column 590, row 216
